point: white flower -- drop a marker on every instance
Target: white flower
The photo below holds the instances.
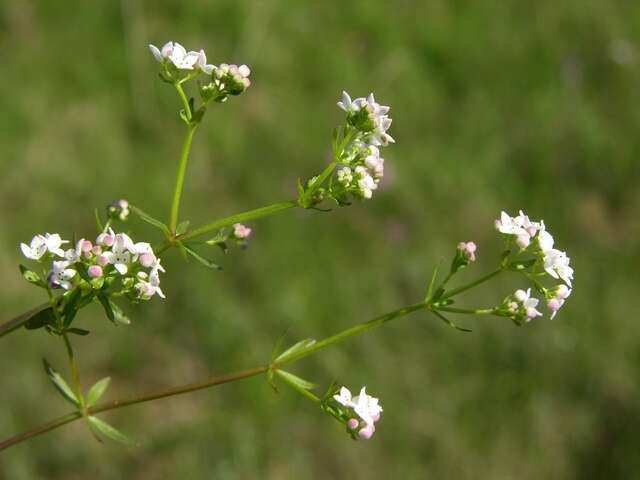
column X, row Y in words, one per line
column 344, row 397
column 176, row 54
column 545, row 241
column 367, row 407
column 202, row 63
column 36, row 248
column 556, row 263
column 54, row 242
column 60, row 276
column 510, row 225
column 346, row 104
column 375, row 163
column 120, row 254
column 146, row 290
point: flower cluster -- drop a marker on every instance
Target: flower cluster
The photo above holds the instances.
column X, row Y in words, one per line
column 362, row 167
column 118, row 210
column 225, row 79
column 97, row 266
column 533, row 237
column 522, row 305
column 362, row 412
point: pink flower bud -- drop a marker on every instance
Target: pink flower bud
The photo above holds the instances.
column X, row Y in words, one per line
column 86, row 246
column 554, row 304
column 95, row 271
column 367, row 432
column 240, row 231
column 147, row 259
column 523, row 241
column 532, row 313
column 103, row 260
column 105, row 239
column 562, row 292
column 96, row 250
column 352, row 424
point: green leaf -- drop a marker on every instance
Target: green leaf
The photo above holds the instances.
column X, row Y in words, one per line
column 449, row 322
column 294, row 349
column 31, row 276
column 59, row 383
column 109, row 431
column 106, row 304
column 150, row 220
column 432, row 283
column 97, row 390
column 182, row 227
column 79, row 331
column 206, row 262
column 99, row 225
column 40, row 319
column 295, row 380
column 277, row 346
column 119, row 317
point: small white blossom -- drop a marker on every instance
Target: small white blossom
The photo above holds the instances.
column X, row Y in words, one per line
column 346, row 104
column 175, row 53
column 527, row 303
column 556, row 264
column 560, row 294
column 344, row 397
column 120, row 254
column 36, row 248
column 202, row 63
column 61, row 276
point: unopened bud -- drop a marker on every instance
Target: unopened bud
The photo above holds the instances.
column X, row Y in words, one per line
column 95, row 271
column 367, row 432
column 352, row 424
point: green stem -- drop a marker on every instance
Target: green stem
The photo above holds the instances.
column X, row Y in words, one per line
column 350, row 332
column 466, row 287
column 113, row 405
column 185, row 100
column 353, row 331
column 468, row 311
column 20, row 320
column 228, row 221
column 302, row 391
column 74, row 371
column 182, row 169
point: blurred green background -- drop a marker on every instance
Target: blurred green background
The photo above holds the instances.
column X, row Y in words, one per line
column 496, row 105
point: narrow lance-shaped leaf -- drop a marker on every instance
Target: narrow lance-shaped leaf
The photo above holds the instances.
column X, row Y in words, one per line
column 449, row 322
column 109, row 431
column 59, row 383
column 182, row 227
column 432, row 283
column 295, row 380
column 99, row 225
column 119, row 317
column 150, row 220
column 206, row 262
column 97, row 390
column 293, row 350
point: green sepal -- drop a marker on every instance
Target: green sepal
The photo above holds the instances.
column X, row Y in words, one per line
column 150, row 220
column 40, row 319
column 294, row 349
column 521, row 265
column 182, row 227
column 97, row 390
column 295, row 380
column 60, row 384
column 31, row 276
column 109, row 431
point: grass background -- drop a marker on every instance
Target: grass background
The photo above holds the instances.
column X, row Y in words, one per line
column 496, row 105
